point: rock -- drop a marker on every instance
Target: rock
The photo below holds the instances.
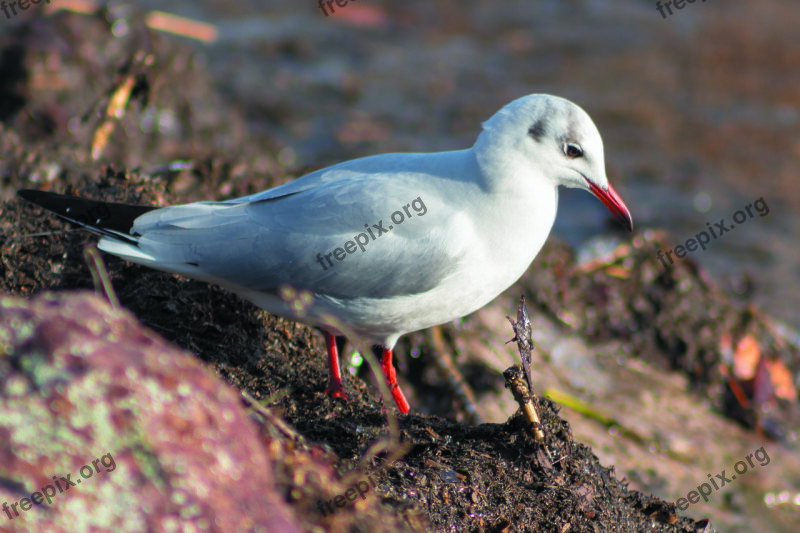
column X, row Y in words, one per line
column 135, row 434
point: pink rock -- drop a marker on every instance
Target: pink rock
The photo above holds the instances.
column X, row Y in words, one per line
column 150, row 438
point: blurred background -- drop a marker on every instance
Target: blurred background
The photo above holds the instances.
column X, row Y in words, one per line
column 699, row 112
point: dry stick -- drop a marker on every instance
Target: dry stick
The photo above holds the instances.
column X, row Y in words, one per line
column 157, row 20
column 300, row 300
column 115, row 111
column 271, row 417
column 523, row 393
column 102, row 283
column 394, row 448
column 46, row 234
column 445, row 362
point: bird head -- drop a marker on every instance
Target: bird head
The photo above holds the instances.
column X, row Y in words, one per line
column 557, row 137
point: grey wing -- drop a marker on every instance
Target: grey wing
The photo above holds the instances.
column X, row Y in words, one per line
column 321, row 177
column 337, row 239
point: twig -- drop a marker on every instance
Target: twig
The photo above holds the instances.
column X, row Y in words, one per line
column 102, row 283
column 522, row 395
column 276, row 421
column 522, row 391
column 301, row 301
column 444, row 360
column 157, row 20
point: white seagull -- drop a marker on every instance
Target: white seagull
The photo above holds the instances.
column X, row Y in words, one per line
column 387, row 244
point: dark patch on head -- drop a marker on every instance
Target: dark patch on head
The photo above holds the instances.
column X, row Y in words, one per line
column 538, row 130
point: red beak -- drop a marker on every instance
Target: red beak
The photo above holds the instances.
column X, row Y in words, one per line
column 614, row 204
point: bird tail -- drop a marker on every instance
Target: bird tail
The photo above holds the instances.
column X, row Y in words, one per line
column 109, row 219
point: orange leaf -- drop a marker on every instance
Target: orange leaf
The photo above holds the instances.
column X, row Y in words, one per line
column 781, row 380
column 746, row 358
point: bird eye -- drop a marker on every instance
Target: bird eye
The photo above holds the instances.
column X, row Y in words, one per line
column 573, row 150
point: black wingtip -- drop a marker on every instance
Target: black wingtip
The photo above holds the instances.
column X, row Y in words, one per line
column 106, row 218
column 29, row 194
column 43, row 198
column 25, row 193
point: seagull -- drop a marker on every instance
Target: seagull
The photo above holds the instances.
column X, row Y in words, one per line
column 386, row 244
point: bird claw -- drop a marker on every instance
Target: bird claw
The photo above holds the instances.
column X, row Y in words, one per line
column 336, row 390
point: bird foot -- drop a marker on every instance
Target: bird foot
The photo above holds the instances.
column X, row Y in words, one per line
column 336, row 390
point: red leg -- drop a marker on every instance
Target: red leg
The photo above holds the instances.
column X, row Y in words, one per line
column 335, row 386
column 391, row 379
